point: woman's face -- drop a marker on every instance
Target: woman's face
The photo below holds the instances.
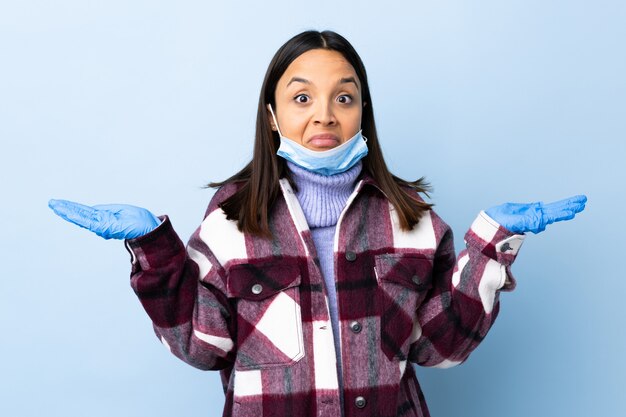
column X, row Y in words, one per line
column 318, row 100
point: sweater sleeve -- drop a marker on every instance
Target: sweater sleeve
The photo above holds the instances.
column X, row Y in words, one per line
column 183, row 293
column 463, row 302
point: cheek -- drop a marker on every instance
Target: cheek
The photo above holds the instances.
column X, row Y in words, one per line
column 353, row 123
column 294, row 126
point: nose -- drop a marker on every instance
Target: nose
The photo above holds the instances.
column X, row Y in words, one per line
column 324, row 114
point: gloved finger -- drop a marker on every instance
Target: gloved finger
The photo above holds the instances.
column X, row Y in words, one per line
column 110, row 207
column 79, row 214
column 564, row 209
column 576, row 203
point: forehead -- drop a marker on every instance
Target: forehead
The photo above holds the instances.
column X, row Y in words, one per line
column 319, row 66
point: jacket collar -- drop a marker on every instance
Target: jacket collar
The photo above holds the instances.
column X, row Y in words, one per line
column 367, row 180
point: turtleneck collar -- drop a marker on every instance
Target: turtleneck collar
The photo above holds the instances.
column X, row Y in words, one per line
column 323, row 197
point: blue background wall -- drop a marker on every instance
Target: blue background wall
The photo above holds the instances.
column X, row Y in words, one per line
column 143, row 102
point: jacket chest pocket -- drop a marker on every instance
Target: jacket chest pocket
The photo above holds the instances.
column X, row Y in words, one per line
column 403, row 281
column 269, row 320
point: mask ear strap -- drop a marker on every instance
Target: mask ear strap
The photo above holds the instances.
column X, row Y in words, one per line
column 269, row 106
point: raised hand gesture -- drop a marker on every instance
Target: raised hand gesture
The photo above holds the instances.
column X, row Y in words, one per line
column 534, row 217
column 110, row 221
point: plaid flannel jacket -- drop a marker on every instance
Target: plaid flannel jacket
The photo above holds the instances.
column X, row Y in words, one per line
column 257, row 309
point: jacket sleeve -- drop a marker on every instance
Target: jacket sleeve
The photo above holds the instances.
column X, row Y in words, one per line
column 182, row 291
column 463, row 301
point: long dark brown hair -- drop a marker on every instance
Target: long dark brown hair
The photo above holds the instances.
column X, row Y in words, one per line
column 258, row 182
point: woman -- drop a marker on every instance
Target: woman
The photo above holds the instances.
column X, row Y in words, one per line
column 316, row 274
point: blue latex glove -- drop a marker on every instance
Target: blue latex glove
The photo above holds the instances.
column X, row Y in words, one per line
column 110, row 221
column 534, row 217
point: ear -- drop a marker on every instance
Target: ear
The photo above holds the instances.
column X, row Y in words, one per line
column 270, row 119
column 364, row 103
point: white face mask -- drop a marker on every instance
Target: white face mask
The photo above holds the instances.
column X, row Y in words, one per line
column 330, row 162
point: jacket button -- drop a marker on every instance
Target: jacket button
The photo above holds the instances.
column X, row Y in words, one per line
column 257, row 288
column 360, row 402
column 351, row 256
column 356, row 326
column 415, row 279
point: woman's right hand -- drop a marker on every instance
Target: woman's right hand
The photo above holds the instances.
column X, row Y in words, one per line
column 110, row 221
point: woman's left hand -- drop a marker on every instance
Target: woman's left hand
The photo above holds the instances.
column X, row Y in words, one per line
column 534, row 217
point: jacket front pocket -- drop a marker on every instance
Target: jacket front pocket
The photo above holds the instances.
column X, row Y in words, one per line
column 403, row 281
column 269, row 321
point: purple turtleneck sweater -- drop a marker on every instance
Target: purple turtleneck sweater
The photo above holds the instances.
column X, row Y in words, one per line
column 322, row 199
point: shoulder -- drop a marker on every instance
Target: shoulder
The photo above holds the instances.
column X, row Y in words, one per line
column 219, row 234
column 430, row 218
column 222, row 194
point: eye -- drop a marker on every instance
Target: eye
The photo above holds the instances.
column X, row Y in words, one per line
column 301, row 98
column 345, row 99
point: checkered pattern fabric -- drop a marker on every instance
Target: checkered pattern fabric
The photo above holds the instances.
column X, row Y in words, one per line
column 256, row 309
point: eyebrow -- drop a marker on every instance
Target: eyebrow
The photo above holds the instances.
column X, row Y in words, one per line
column 344, row 80
column 349, row 80
column 298, row 79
